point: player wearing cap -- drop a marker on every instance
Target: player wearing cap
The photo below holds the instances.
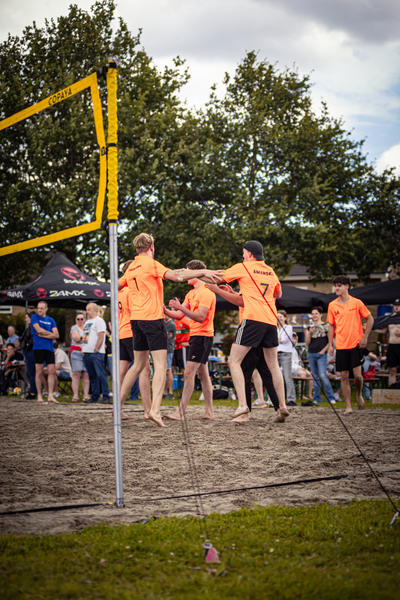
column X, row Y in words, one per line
column 393, row 350
column 144, row 279
column 344, row 318
column 199, row 306
column 259, row 287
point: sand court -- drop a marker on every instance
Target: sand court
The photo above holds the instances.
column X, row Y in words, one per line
column 57, row 455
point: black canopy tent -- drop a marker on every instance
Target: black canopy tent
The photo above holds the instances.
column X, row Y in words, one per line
column 294, row 300
column 62, row 285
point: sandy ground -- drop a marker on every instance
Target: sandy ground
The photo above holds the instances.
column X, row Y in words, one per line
column 55, row 455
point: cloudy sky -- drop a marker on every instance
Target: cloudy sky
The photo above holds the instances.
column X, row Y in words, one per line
column 351, row 48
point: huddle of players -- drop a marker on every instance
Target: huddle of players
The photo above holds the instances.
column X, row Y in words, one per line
column 256, row 340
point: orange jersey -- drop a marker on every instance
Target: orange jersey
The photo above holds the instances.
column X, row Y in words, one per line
column 202, row 297
column 346, row 317
column 182, row 332
column 144, row 277
column 258, row 295
column 124, row 314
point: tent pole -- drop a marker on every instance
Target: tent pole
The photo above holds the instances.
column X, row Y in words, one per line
column 112, row 217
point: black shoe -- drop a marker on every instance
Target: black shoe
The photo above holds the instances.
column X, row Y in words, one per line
column 291, row 403
column 308, row 403
column 31, row 397
column 90, row 401
column 105, row 401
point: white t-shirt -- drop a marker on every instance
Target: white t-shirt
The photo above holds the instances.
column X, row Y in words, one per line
column 295, row 360
column 286, row 339
column 60, row 356
column 91, row 335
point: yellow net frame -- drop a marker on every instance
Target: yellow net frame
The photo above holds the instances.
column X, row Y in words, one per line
column 75, row 88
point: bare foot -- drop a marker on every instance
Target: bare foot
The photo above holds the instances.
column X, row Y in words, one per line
column 125, row 417
column 241, row 418
column 146, row 416
column 361, row 404
column 53, row 400
column 156, row 418
column 284, row 411
column 348, row 411
column 240, row 411
column 173, row 417
column 40, row 400
column 205, row 416
column 280, row 416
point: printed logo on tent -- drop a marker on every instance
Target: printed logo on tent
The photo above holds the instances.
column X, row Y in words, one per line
column 98, row 293
column 73, row 273
column 41, row 293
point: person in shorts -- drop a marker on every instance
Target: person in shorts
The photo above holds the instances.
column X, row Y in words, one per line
column 144, row 278
column 126, row 350
column 44, row 331
column 393, row 350
column 199, row 307
column 259, row 287
column 345, row 325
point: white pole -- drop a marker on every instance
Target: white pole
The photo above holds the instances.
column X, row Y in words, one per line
column 119, row 482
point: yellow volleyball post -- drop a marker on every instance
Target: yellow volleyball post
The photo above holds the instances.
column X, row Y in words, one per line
column 112, row 217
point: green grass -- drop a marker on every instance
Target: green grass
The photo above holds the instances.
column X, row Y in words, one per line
column 329, row 552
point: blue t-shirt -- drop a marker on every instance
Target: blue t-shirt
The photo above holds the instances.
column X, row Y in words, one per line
column 47, row 323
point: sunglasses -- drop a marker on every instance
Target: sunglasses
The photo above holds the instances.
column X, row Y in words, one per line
column 80, row 319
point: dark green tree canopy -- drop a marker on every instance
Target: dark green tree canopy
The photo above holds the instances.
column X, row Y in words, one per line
column 258, row 163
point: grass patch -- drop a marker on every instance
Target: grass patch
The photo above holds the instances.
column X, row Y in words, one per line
column 330, row 552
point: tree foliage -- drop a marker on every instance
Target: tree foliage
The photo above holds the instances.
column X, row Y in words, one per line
column 257, row 163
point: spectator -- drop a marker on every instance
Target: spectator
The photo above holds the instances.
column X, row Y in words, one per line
column 63, row 367
column 298, row 369
column 285, row 356
column 93, row 351
column 169, row 381
column 26, row 345
column 393, row 350
column 75, row 353
column 12, row 337
column 44, row 331
column 182, row 338
column 317, row 351
column 8, row 371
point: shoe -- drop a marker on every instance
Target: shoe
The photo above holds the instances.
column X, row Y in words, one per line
column 56, row 395
column 259, row 404
column 90, row 401
column 45, row 393
column 169, row 397
column 31, row 397
column 111, row 393
column 292, row 403
column 308, row 403
column 105, row 401
column 332, row 401
column 337, row 397
column 76, row 399
column 270, row 404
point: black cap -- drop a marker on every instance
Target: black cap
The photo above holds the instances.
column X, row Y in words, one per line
column 255, row 248
column 396, row 302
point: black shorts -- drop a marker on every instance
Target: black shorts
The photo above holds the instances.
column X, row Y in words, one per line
column 44, row 356
column 393, row 356
column 347, row 360
column 126, row 349
column 179, row 359
column 199, row 349
column 254, row 334
column 149, row 335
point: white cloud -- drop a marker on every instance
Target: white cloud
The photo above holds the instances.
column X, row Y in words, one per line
column 390, row 158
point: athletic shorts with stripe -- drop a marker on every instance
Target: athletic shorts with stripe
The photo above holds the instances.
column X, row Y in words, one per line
column 254, row 334
column 149, row 335
column 200, row 348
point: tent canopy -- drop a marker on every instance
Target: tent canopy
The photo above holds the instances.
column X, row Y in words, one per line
column 62, row 285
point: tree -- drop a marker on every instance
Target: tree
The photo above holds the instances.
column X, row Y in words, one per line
column 49, row 163
column 275, row 171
